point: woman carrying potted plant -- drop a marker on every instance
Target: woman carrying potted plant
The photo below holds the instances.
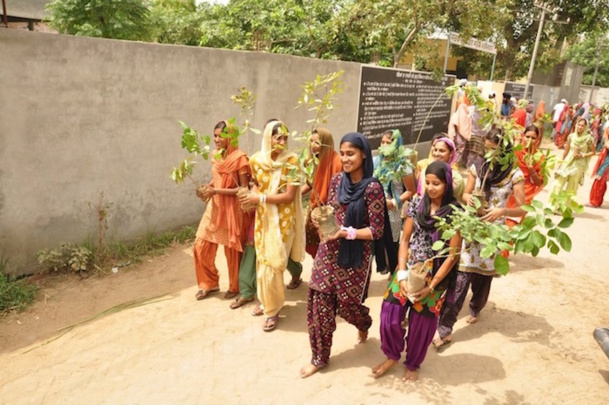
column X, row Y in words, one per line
column 279, row 230
column 495, row 182
column 531, row 165
column 438, row 275
column 579, row 148
column 321, row 146
column 341, row 270
column 224, row 222
column 399, row 184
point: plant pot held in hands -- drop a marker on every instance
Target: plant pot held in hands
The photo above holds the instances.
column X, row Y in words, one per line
column 323, row 215
column 480, row 201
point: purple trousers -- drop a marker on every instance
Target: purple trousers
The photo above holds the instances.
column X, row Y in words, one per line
column 481, row 288
column 421, row 330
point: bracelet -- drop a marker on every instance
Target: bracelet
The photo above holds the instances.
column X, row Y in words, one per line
column 262, row 198
column 351, row 235
column 403, row 275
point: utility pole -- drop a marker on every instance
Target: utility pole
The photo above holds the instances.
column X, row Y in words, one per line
column 544, row 10
column 532, row 66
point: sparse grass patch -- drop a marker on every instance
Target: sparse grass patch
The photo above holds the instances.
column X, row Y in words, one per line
column 15, row 294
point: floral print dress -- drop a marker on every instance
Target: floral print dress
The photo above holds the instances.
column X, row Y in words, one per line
column 420, row 251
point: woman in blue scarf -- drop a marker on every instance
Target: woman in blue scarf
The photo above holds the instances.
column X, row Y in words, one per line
column 397, row 193
column 341, row 271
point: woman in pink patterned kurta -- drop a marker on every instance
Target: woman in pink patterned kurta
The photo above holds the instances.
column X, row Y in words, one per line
column 341, row 270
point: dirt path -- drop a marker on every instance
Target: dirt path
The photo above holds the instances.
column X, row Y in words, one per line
column 533, row 343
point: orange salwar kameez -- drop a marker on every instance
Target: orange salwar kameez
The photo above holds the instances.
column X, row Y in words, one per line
column 223, row 223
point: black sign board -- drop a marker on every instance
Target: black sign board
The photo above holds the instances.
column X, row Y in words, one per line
column 517, row 90
column 401, row 99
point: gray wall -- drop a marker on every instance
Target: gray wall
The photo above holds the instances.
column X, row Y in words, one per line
column 80, row 116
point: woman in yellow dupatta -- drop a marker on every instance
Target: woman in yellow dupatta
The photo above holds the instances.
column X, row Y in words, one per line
column 224, row 223
column 579, row 148
column 279, row 229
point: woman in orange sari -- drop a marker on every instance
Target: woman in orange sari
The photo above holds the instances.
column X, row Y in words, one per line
column 538, row 118
column 600, row 174
column 322, row 146
column 223, row 223
column 565, row 128
column 533, row 178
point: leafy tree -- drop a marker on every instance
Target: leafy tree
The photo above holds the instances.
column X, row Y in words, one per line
column 592, row 50
column 516, row 23
column 396, row 27
column 119, row 19
column 295, row 27
column 176, row 22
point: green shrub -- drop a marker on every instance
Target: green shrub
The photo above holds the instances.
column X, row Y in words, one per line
column 67, row 258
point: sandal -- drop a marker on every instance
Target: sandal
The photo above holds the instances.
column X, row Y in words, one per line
column 239, row 302
column 270, row 323
column 257, row 311
column 230, row 295
column 202, row 294
column 294, row 283
column 441, row 342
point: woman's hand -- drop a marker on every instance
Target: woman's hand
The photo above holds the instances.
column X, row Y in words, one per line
column 390, row 204
column 338, row 235
column 471, row 200
column 404, row 288
column 578, row 155
column 493, row 214
column 205, row 193
column 419, row 295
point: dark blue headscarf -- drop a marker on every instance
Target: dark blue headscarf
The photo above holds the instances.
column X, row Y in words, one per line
column 351, row 252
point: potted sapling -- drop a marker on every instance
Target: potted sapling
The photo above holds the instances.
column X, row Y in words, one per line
column 318, row 96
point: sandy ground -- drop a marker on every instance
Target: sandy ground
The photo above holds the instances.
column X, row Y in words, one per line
column 533, row 343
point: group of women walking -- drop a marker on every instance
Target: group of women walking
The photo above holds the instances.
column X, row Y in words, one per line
column 265, row 231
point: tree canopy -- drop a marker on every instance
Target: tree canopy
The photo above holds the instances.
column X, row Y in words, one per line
column 352, row 30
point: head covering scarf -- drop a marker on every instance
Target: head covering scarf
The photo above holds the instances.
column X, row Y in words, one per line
column 329, row 165
column 382, row 165
column 272, row 256
column 428, row 222
column 451, row 146
column 495, row 175
column 225, row 172
column 350, row 253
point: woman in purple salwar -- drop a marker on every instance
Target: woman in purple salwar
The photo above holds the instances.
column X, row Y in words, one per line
column 341, row 269
column 419, row 234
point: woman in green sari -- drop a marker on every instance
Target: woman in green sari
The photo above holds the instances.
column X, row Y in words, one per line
column 578, row 150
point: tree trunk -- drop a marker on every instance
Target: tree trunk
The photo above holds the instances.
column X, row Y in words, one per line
column 409, row 38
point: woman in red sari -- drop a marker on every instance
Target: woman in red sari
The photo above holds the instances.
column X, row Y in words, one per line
column 533, row 178
column 600, row 174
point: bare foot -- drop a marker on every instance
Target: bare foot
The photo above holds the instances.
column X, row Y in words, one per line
column 362, row 336
column 410, row 375
column 442, row 341
column 382, row 368
column 308, row 370
column 471, row 319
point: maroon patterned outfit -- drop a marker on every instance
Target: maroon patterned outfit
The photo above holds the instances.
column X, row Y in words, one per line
column 336, row 290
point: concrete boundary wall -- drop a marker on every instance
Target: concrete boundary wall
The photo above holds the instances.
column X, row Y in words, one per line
column 80, row 116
